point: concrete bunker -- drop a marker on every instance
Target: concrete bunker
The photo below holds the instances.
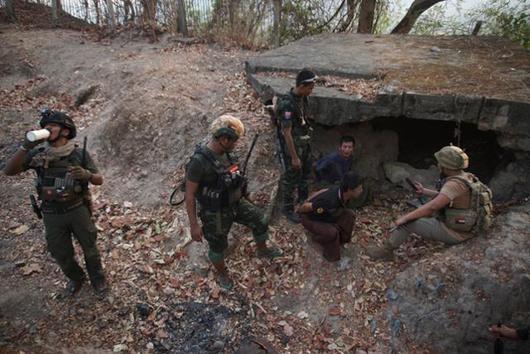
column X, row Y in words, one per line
column 403, row 101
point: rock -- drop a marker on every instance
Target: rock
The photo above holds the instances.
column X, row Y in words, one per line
column 435, row 49
column 513, row 182
column 396, row 172
column 217, row 346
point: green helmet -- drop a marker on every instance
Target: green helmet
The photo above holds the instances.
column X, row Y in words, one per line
column 452, row 157
column 49, row 116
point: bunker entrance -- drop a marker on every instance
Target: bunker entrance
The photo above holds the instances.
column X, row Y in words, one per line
column 418, row 139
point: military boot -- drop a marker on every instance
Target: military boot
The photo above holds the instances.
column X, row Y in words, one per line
column 100, row 286
column 384, row 253
column 291, row 216
column 74, row 286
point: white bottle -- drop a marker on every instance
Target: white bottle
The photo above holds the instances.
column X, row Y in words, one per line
column 36, row 135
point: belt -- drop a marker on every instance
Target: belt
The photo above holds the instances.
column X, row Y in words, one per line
column 61, row 208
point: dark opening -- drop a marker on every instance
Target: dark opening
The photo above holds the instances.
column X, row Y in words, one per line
column 419, row 139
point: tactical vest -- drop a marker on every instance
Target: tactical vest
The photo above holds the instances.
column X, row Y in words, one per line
column 301, row 130
column 479, row 216
column 222, row 192
column 55, row 184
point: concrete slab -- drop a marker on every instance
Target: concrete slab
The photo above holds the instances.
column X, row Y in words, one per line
column 480, row 80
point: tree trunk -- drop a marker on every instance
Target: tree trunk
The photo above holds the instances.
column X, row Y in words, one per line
column 96, row 5
column 10, row 10
column 476, row 30
column 366, row 16
column 416, row 9
column 55, row 12
column 128, row 10
column 351, row 10
column 181, row 12
column 277, row 5
column 112, row 17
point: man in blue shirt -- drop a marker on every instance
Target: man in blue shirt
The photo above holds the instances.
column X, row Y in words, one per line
column 332, row 168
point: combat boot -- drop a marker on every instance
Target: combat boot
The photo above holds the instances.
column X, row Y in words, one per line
column 291, row 216
column 74, row 286
column 270, row 252
column 384, row 253
column 99, row 285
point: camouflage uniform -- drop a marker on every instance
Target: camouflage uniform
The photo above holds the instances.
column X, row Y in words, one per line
column 218, row 213
column 67, row 216
column 292, row 112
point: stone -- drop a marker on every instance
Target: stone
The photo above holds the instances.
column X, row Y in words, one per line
column 513, row 182
column 396, row 172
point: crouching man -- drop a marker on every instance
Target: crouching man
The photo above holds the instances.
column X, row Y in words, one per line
column 327, row 218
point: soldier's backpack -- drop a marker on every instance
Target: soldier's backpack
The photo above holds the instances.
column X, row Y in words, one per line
column 479, row 217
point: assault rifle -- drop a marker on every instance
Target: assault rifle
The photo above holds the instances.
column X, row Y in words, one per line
column 87, row 198
column 245, row 164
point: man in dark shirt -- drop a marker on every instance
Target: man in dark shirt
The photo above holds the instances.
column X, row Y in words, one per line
column 331, row 168
column 325, row 215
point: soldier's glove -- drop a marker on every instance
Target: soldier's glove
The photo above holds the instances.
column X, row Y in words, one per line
column 28, row 145
column 80, row 173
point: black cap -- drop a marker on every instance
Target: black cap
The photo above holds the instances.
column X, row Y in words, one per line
column 305, row 77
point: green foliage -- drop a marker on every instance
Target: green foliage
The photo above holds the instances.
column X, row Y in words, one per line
column 514, row 26
column 302, row 18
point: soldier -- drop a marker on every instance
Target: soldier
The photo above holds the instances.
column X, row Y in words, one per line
column 214, row 180
column 328, row 219
column 294, row 135
column 63, row 174
column 463, row 203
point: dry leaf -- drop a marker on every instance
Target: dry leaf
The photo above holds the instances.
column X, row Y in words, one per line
column 20, row 230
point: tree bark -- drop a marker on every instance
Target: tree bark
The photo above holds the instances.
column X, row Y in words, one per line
column 112, row 17
column 55, row 12
column 366, row 16
column 351, row 11
column 181, row 12
column 98, row 17
column 416, row 9
column 10, row 10
column 277, row 5
column 476, row 30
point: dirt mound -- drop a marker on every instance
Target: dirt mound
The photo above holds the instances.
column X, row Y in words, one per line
column 31, row 15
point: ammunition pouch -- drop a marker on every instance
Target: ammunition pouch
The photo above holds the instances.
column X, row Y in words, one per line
column 463, row 220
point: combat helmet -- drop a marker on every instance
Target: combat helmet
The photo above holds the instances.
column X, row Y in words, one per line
column 49, row 116
column 227, row 125
column 452, row 157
